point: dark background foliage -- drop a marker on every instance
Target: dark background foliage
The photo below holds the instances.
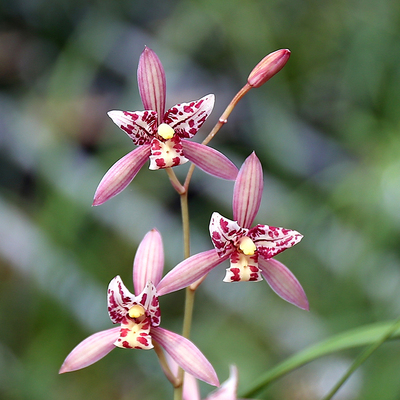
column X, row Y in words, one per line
column 326, row 129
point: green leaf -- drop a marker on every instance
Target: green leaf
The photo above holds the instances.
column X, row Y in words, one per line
column 354, row 338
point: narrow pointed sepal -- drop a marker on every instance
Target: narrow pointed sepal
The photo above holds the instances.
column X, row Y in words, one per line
column 90, row 350
column 187, row 118
column 186, row 355
column 152, row 82
column 189, row 271
column 283, row 282
column 121, row 174
column 247, row 192
column 209, row 160
column 149, row 261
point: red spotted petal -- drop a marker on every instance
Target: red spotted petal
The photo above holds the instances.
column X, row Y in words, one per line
column 149, row 300
column 187, row 118
column 225, row 234
column 120, row 300
column 270, row 240
column 140, row 126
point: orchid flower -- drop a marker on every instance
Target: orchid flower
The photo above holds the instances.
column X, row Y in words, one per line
column 250, row 249
column 139, row 319
column 161, row 136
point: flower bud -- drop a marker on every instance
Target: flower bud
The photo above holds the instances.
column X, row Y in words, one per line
column 268, row 67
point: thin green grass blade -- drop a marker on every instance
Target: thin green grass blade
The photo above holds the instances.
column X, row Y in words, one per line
column 363, row 336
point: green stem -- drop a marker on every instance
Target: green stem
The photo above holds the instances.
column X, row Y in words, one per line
column 189, row 299
column 363, row 357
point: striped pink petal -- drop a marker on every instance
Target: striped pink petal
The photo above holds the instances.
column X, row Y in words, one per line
column 121, row 174
column 209, row 160
column 283, row 282
column 247, row 192
column 149, row 261
column 140, row 126
column 152, row 82
column 187, row 118
column 90, row 350
column 186, row 355
column 189, row 271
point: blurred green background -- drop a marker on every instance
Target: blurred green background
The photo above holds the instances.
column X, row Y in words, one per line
column 326, row 129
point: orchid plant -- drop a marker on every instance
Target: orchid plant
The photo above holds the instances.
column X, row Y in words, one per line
column 162, row 137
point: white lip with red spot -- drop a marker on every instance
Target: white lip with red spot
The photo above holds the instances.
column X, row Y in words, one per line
column 135, row 330
column 166, row 153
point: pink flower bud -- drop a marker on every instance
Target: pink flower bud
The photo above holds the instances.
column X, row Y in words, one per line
column 268, row 67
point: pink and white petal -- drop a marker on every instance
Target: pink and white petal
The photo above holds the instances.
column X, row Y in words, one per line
column 121, row 174
column 90, row 350
column 140, row 126
column 225, row 234
column 247, row 192
column 166, row 154
column 189, row 271
column 149, row 261
column 120, row 300
column 152, row 82
column 186, row 355
column 187, row 118
column 270, row 240
column 210, row 160
column 283, row 282
column 228, row 389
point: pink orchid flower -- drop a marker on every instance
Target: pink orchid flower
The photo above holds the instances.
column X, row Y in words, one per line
column 250, row 250
column 139, row 319
column 161, row 136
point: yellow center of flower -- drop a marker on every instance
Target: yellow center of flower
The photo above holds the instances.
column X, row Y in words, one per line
column 136, row 311
column 165, row 131
column 247, row 246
